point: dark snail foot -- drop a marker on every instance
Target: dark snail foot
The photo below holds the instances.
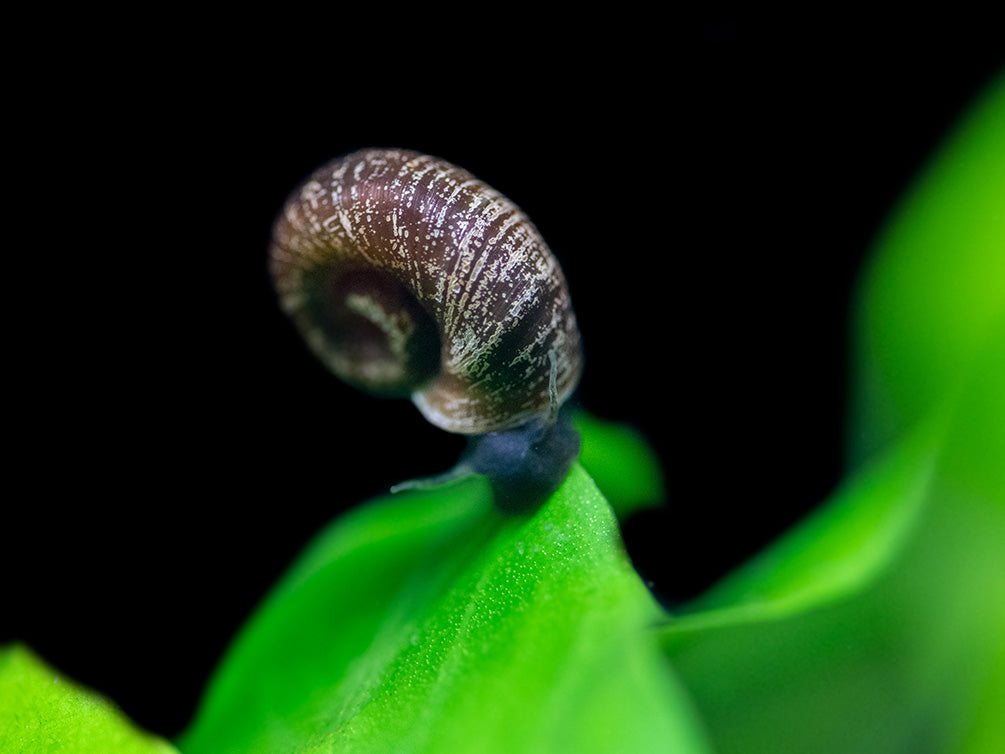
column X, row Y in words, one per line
column 527, row 464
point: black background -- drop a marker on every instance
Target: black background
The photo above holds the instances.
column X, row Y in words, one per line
column 709, row 180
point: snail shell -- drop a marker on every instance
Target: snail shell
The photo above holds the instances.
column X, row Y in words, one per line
column 408, row 276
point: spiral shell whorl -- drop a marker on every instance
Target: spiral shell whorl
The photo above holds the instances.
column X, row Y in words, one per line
column 466, row 308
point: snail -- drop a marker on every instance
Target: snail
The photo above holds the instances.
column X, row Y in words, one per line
column 407, row 276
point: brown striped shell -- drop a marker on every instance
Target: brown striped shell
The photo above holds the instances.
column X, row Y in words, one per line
column 407, row 275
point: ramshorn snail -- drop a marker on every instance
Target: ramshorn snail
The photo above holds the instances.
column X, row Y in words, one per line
column 407, row 276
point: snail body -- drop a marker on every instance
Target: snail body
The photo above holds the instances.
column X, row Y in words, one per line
column 407, row 276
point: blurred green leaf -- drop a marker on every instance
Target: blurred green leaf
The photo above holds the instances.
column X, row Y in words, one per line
column 622, row 464
column 834, row 553
column 43, row 711
column 428, row 621
column 879, row 624
column 935, row 287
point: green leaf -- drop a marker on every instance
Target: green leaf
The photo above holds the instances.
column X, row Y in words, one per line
column 427, row 621
column 43, row 711
column 879, row 624
column 935, row 287
column 911, row 659
column 621, row 463
column 836, row 552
